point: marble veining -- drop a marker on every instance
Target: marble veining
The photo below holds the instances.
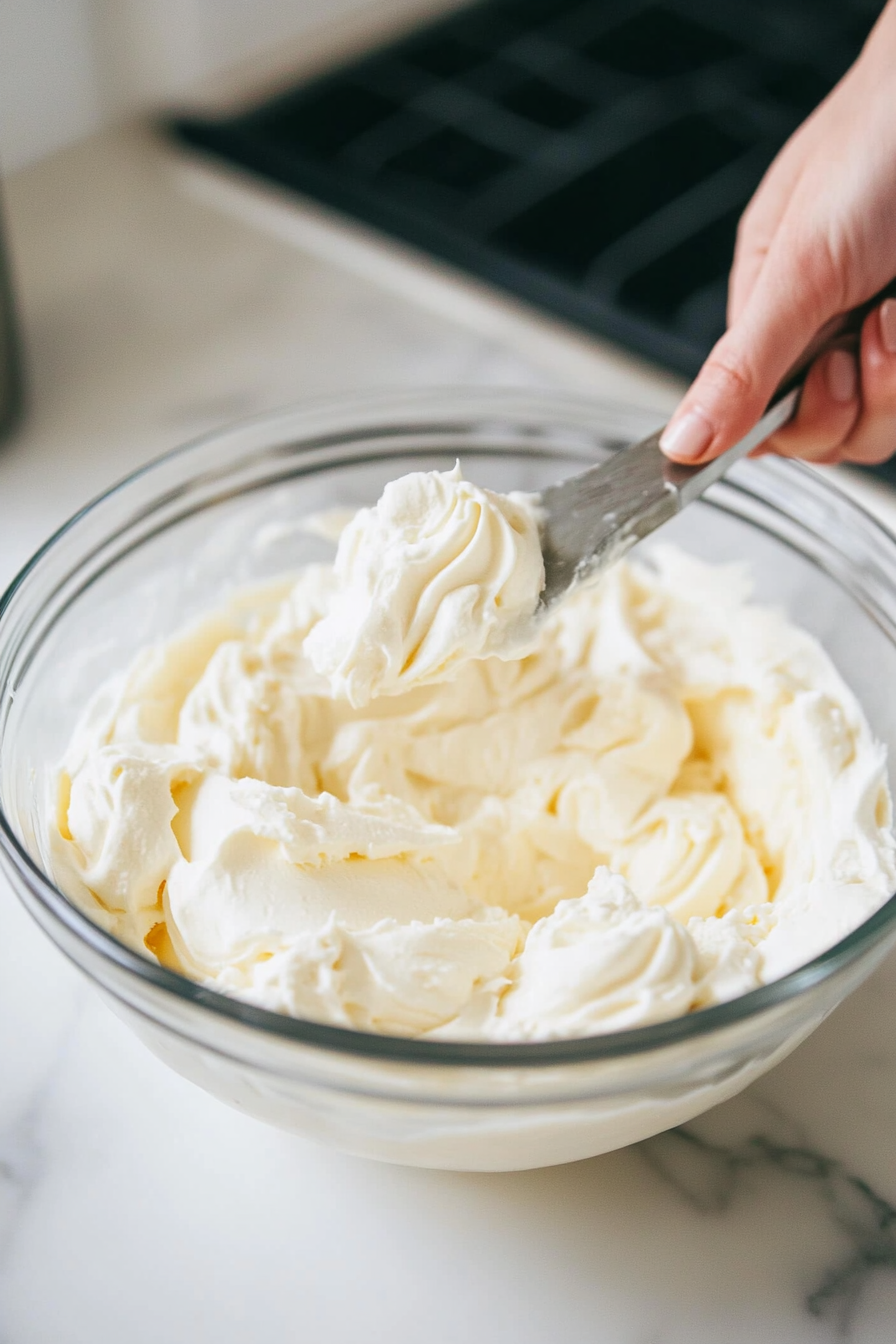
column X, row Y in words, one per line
column 708, row 1176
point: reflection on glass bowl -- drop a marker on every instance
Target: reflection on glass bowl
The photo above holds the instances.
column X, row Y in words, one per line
column 166, row 544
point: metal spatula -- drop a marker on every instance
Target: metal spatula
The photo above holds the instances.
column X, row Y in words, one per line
column 591, row 520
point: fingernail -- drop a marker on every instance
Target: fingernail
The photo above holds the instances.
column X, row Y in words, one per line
column 689, row 437
column 888, row 325
column 840, row 375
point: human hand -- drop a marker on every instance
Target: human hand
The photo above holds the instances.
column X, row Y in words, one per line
column 818, row 237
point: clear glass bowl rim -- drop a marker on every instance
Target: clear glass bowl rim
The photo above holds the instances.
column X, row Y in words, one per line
column 345, row 1040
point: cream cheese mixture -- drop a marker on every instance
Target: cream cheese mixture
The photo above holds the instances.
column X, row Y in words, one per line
column 438, row 573
column 385, row 794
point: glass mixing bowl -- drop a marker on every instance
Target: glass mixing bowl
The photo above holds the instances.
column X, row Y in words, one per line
column 168, row 542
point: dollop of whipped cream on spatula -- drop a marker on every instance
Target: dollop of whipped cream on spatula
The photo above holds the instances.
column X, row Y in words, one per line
column 438, row 572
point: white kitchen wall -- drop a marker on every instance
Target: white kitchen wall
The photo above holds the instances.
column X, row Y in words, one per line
column 49, row 83
column 68, row 67
column 157, row 50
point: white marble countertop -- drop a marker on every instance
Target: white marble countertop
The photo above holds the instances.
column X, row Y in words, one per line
column 135, row 1208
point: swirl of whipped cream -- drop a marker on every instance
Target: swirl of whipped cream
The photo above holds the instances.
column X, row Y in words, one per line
column 623, row 755
column 116, row 815
column 399, row 978
column 438, row 572
column 729, row 960
column 602, row 962
column 688, row 853
column 242, row 719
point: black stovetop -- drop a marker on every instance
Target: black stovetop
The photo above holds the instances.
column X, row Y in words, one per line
column 590, row 156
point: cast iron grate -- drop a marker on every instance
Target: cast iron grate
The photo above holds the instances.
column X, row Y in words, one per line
column 592, row 156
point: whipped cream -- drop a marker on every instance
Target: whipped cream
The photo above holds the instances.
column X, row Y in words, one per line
column 380, row 795
column 438, row 572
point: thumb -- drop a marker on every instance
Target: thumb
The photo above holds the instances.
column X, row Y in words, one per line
column 784, row 311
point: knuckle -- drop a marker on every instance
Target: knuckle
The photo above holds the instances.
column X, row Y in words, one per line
column 822, row 268
column 731, row 373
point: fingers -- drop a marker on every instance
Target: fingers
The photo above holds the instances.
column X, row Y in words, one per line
column 848, row 413
column 759, row 222
column 847, row 410
column 791, row 299
column 873, row 438
column 829, row 409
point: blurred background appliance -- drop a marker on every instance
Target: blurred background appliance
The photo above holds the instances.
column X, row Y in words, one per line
column 590, row 156
column 10, row 363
